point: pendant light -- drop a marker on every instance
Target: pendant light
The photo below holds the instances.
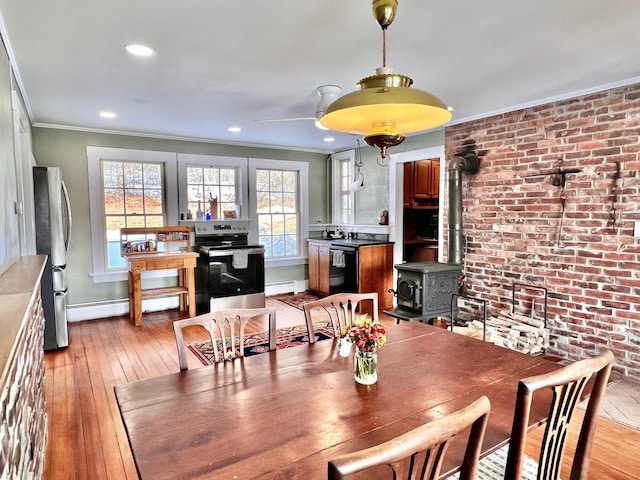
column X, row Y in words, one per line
column 385, row 107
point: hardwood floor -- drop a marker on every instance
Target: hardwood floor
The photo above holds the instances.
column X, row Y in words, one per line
column 87, row 439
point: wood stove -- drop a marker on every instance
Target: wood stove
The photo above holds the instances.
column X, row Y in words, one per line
column 424, row 290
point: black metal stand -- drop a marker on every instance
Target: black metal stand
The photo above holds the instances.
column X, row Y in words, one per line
column 454, row 311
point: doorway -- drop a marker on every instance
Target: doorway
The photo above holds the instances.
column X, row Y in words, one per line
column 396, row 197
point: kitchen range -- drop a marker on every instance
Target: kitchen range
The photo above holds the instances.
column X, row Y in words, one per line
column 229, row 270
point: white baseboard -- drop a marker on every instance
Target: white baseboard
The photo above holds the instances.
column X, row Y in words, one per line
column 116, row 308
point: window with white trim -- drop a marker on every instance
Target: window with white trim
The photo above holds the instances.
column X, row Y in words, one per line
column 133, row 196
column 205, row 177
column 127, row 188
column 279, row 206
column 343, row 197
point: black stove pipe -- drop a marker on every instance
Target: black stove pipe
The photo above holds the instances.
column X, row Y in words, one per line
column 454, row 218
column 465, row 161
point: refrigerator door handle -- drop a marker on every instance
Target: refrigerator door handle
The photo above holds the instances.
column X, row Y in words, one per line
column 69, row 222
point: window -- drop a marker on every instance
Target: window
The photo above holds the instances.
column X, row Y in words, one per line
column 133, row 196
column 277, row 209
column 343, row 198
column 127, row 188
column 211, row 190
column 280, row 206
column 201, row 177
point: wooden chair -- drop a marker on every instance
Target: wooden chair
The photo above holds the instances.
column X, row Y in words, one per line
column 567, row 386
column 226, row 326
column 339, row 309
column 419, row 453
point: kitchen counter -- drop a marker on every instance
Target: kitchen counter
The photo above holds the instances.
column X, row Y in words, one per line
column 350, row 242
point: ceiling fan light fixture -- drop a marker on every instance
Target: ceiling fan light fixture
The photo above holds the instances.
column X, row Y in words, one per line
column 328, row 94
column 385, row 99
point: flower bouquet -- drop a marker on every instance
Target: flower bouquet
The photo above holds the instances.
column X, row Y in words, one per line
column 367, row 335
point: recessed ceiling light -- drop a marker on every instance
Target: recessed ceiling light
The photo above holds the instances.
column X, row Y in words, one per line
column 107, row 115
column 139, row 50
column 329, row 139
column 234, row 129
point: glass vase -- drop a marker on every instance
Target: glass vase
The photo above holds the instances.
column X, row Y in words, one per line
column 344, row 346
column 365, row 367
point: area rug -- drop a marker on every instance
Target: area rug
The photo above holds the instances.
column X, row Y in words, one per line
column 297, row 299
column 256, row 343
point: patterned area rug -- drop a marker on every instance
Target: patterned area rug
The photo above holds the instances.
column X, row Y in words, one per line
column 297, row 299
column 256, row 343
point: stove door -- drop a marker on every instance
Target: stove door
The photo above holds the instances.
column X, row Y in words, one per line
column 409, row 293
column 229, row 272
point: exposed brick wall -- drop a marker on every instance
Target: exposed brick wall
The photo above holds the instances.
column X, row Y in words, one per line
column 512, row 222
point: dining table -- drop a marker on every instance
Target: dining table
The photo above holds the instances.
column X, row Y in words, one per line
column 284, row 414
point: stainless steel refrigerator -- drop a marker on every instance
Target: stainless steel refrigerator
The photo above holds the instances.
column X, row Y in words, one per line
column 53, row 232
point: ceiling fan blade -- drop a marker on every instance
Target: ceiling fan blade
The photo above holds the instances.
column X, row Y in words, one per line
column 327, row 94
column 284, row 119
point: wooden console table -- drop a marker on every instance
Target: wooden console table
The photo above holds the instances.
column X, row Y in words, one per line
column 185, row 262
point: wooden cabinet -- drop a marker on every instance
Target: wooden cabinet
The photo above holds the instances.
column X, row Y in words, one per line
column 421, row 183
column 426, row 179
column 319, row 267
column 375, row 270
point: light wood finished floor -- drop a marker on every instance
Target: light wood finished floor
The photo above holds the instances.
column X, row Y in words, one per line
column 86, row 436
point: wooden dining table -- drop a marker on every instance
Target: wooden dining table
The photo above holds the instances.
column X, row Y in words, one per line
column 286, row 413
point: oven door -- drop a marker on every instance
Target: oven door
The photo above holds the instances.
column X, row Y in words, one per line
column 236, row 272
column 343, row 269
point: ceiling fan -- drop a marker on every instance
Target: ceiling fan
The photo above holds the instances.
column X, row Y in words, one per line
column 327, row 94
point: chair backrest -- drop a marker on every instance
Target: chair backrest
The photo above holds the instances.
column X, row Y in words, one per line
column 567, row 385
column 340, row 309
column 226, row 329
column 420, row 452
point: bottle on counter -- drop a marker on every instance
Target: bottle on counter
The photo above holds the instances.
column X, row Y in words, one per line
column 213, row 206
column 199, row 212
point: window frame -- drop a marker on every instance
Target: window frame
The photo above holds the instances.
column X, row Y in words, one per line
column 96, row 206
column 189, row 159
column 336, row 194
column 302, row 168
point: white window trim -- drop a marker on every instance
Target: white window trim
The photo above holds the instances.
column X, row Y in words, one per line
column 336, row 158
column 186, row 159
column 303, row 171
column 96, row 206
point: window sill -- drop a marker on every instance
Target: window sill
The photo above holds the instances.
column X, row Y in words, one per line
column 284, row 262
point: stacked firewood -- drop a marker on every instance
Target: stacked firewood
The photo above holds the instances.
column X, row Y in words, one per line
column 518, row 332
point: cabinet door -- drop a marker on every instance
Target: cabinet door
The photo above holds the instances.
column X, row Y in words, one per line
column 435, row 179
column 375, row 272
column 426, row 183
column 323, row 269
column 319, row 267
column 313, row 266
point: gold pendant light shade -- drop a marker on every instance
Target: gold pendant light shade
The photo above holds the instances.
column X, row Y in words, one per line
column 385, row 107
column 408, row 109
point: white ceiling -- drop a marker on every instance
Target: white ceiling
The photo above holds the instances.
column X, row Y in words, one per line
column 223, row 63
